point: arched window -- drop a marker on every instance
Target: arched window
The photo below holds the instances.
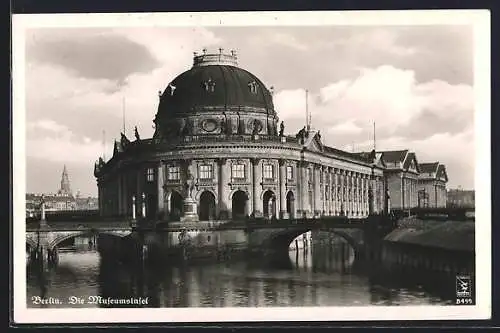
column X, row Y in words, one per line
column 268, row 171
column 238, row 171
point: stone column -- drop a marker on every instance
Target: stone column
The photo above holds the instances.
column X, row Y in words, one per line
column 304, row 187
column 335, row 192
column 283, row 214
column 161, row 192
column 340, row 202
column 351, row 192
column 362, row 192
column 223, row 183
column 316, row 180
column 367, row 195
column 326, row 196
column 257, row 180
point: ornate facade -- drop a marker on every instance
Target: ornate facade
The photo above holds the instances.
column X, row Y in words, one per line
column 432, row 185
column 217, row 141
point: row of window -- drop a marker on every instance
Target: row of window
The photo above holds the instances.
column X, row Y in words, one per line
column 205, row 171
column 238, row 171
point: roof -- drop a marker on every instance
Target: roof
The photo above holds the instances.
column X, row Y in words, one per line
column 392, row 156
column 410, row 157
column 366, row 155
column 203, row 88
column 442, row 170
column 428, row 167
column 355, row 156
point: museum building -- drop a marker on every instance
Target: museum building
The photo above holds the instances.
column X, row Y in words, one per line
column 218, row 141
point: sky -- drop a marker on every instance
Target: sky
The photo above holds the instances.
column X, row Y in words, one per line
column 414, row 82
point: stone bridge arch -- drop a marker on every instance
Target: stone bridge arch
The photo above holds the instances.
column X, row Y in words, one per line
column 278, row 240
column 62, row 236
column 30, row 242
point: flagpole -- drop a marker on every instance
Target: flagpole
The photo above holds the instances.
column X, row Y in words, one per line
column 123, row 111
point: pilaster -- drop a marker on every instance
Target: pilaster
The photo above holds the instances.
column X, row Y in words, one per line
column 316, row 179
column 223, row 183
column 161, row 185
column 256, row 181
column 282, row 177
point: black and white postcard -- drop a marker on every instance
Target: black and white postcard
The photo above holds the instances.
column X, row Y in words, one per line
column 251, row 166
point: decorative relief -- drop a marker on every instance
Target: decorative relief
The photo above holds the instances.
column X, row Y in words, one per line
column 209, row 125
column 241, row 187
column 209, row 85
column 266, row 187
column 255, row 126
column 253, row 87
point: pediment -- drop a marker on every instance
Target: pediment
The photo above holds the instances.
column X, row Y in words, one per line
column 413, row 166
column 441, row 175
column 314, row 144
column 379, row 161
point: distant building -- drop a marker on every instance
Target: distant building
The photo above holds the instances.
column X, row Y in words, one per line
column 402, row 174
column 63, row 200
column 432, row 185
column 461, row 198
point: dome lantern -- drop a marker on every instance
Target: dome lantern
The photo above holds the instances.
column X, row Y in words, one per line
column 221, row 58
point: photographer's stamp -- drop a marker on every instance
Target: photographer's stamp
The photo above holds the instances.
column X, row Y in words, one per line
column 251, row 170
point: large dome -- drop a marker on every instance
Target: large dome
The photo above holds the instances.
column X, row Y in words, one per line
column 214, row 83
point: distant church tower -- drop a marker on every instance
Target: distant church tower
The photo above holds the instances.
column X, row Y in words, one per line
column 65, row 188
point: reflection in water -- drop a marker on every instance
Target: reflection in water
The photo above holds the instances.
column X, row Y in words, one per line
column 313, row 276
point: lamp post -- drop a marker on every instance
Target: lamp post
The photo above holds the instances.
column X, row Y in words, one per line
column 134, row 222
column 143, row 203
column 43, row 221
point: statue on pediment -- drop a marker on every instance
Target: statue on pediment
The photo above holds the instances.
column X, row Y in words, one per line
column 136, row 133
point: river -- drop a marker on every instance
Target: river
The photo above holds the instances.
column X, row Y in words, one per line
column 310, row 277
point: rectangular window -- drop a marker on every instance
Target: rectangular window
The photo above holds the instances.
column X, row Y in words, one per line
column 173, row 173
column 268, row 171
column 289, row 172
column 238, row 171
column 205, row 171
column 150, row 174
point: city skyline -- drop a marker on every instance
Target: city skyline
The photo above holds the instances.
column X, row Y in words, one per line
column 415, row 82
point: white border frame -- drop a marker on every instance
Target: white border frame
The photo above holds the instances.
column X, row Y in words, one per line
column 480, row 19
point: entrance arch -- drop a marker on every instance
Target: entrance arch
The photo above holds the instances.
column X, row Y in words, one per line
column 269, row 203
column 239, row 202
column 290, row 204
column 207, row 206
column 176, row 203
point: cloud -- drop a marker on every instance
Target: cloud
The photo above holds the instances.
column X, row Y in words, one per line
column 456, row 151
column 415, row 82
column 345, row 128
column 428, row 117
column 48, row 140
column 91, row 54
column 388, row 96
column 91, row 105
column 286, row 40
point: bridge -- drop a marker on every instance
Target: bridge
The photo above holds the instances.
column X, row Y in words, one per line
column 262, row 234
column 273, row 235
